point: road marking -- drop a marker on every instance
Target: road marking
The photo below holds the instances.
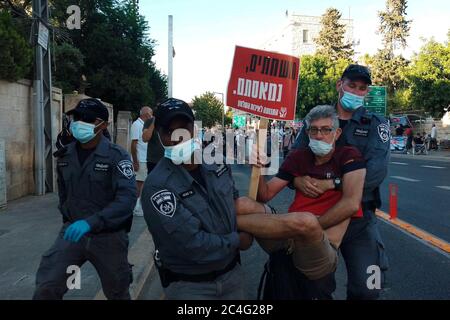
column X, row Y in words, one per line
column 433, row 167
column 399, row 163
column 405, row 179
column 443, row 187
column 423, row 235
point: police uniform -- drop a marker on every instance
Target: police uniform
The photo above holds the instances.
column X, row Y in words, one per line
column 362, row 245
column 102, row 191
column 194, row 229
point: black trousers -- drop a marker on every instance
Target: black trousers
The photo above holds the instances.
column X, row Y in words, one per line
column 107, row 252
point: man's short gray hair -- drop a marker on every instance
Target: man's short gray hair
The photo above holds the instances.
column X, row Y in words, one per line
column 144, row 110
column 322, row 112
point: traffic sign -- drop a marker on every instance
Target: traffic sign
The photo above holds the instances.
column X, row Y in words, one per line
column 375, row 100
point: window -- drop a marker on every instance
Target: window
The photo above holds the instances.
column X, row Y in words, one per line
column 305, row 36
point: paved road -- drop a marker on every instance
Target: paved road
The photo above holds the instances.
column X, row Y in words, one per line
column 423, row 193
column 417, row 270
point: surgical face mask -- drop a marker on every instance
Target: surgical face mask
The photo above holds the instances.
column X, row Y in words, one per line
column 182, row 152
column 350, row 102
column 320, row 148
column 83, row 131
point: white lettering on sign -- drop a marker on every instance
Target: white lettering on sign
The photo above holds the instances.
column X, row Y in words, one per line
column 259, row 90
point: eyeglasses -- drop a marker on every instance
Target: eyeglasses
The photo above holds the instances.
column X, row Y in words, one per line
column 324, row 131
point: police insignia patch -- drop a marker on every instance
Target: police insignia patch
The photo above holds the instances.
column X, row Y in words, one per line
column 384, row 132
column 126, row 168
column 164, row 202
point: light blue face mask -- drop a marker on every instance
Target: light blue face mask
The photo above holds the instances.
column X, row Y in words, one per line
column 320, row 148
column 182, row 152
column 350, row 102
column 83, row 131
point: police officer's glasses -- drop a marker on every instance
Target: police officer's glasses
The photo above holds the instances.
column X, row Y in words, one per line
column 324, row 131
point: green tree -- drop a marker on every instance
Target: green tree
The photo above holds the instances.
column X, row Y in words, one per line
column 15, row 54
column 428, row 78
column 117, row 52
column 208, row 109
column 317, row 81
column 67, row 67
column 388, row 69
column 330, row 41
column 393, row 25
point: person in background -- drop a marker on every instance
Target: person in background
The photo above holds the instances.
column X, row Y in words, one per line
column 139, row 153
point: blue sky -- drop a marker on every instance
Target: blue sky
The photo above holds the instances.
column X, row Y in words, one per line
column 206, row 32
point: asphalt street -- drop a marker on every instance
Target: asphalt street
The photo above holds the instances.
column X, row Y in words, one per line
column 423, row 193
column 417, row 270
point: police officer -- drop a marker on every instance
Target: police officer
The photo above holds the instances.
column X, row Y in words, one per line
column 190, row 211
column 97, row 194
column 362, row 246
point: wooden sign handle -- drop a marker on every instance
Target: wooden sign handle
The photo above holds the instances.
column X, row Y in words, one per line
column 256, row 172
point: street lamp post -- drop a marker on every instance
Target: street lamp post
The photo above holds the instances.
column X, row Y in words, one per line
column 223, row 110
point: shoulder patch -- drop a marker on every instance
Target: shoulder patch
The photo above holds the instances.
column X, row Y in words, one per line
column 384, row 132
column 164, row 202
column 126, row 168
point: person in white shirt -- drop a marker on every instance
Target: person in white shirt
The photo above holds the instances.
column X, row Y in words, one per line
column 139, row 153
column 433, row 141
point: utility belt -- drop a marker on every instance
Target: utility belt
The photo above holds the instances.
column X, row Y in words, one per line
column 167, row 276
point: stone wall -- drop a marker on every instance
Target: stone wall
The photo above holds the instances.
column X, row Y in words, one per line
column 16, row 129
column 2, row 175
column 443, row 132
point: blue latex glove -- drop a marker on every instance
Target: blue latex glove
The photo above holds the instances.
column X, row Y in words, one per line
column 76, row 230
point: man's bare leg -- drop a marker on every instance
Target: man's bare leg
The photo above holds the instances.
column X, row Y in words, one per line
column 302, row 226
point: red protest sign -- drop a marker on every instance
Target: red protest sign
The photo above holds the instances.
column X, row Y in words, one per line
column 264, row 83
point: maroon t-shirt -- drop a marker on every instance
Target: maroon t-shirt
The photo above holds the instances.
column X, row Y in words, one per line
column 301, row 162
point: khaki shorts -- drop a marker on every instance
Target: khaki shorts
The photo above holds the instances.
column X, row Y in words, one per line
column 141, row 174
column 316, row 260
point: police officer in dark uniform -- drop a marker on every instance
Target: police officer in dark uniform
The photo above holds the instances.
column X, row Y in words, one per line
column 190, row 211
column 97, row 194
column 362, row 247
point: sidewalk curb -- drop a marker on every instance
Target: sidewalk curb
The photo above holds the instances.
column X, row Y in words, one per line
column 141, row 256
column 421, row 157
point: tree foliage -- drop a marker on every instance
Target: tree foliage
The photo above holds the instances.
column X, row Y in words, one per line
column 393, row 25
column 117, row 54
column 388, row 69
column 208, row 109
column 317, row 81
column 66, row 70
column 428, row 78
column 15, row 53
column 330, row 41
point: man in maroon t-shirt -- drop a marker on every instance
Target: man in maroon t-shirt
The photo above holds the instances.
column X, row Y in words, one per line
column 313, row 229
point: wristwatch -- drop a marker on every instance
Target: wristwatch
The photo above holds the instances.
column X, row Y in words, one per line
column 337, row 184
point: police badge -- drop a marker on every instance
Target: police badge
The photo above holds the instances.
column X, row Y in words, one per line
column 384, row 132
column 164, row 202
column 126, row 168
